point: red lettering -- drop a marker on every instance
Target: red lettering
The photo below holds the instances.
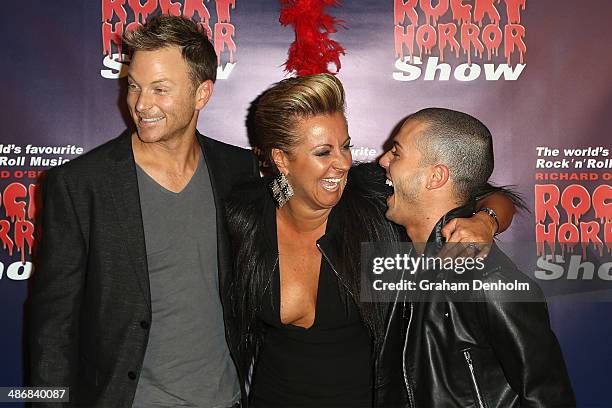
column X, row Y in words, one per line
column 545, row 235
column 113, row 7
column 601, row 203
column 34, row 201
column 589, row 176
column 513, row 10
column 14, row 209
column 576, row 202
column 469, row 36
column 191, row 6
column 404, row 36
column 589, row 231
column 513, row 36
column 546, row 200
column 7, row 242
column 24, row 233
column 483, row 7
column 169, row 7
column 492, row 38
column 575, row 211
column 141, row 11
column 461, row 12
column 223, row 36
column 401, row 9
column 223, row 10
column 425, row 38
column 446, row 34
column 110, row 36
column 433, row 13
column 568, row 235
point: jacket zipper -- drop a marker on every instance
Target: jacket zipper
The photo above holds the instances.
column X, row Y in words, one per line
column 384, row 340
column 394, row 305
column 408, row 388
column 336, row 273
column 272, row 274
column 468, row 360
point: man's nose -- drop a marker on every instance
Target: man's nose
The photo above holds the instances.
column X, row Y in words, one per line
column 384, row 160
column 144, row 102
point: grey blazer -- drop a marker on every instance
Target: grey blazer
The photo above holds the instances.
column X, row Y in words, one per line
column 89, row 308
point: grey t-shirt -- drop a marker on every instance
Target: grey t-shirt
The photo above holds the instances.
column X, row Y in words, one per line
column 187, row 362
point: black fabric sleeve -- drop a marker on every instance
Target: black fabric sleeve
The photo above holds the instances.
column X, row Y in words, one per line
column 56, row 290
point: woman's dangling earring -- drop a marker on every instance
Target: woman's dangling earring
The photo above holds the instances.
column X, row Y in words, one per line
column 281, row 189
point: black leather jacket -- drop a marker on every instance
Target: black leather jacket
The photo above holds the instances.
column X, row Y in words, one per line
column 482, row 354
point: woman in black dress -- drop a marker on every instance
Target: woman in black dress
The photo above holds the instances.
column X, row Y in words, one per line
column 305, row 338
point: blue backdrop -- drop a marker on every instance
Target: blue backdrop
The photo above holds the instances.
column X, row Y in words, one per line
column 55, row 93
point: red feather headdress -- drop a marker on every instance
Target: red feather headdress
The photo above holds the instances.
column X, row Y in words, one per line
column 313, row 50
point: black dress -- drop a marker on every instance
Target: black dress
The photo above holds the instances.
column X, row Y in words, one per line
column 326, row 365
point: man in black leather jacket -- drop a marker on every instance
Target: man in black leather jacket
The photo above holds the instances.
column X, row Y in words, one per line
column 493, row 351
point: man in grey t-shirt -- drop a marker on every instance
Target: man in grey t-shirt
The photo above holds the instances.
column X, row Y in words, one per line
column 187, row 362
column 127, row 299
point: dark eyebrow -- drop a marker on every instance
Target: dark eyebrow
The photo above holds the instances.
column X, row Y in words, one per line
column 348, row 139
column 397, row 145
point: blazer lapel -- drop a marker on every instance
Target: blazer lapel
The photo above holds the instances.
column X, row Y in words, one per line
column 123, row 185
column 218, row 170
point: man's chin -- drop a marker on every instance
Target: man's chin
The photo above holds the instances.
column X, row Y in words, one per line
column 390, row 215
column 148, row 136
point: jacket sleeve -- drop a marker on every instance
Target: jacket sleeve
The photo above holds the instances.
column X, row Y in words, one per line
column 529, row 352
column 56, row 289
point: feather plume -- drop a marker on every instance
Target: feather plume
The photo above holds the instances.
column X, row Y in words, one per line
column 312, row 51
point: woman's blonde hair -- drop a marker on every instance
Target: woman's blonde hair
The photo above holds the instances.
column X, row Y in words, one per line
column 279, row 109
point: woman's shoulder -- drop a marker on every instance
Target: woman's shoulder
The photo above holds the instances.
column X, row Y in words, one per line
column 247, row 189
column 248, row 199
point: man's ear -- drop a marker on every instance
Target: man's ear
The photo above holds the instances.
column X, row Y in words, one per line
column 438, row 177
column 281, row 160
column 203, row 93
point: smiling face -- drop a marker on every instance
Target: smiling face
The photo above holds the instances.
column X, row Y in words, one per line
column 161, row 96
column 405, row 172
column 318, row 165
